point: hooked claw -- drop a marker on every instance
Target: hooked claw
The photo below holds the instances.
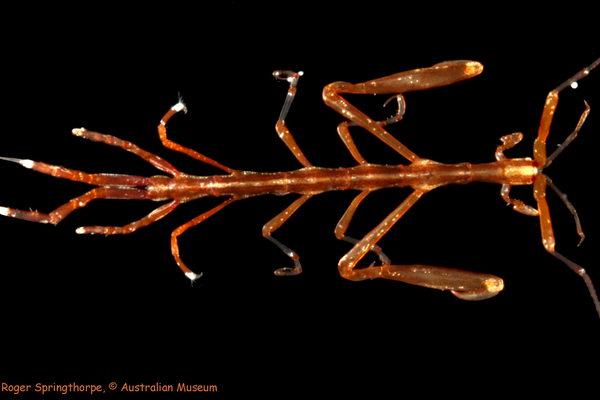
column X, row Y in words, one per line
column 193, row 276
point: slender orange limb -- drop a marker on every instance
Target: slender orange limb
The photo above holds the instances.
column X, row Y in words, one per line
column 78, row 176
column 539, row 146
column 349, row 261
column 177, row 232
column 463, row 284
column 153, row 159
column 344, row 132
column 154, row 216
column 162, row 133
column 78, row 202
column 440, row 74
column 342, row 227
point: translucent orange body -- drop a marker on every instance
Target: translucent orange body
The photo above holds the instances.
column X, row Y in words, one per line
column 420, row 174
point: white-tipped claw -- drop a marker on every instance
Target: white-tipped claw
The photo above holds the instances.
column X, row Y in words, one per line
column 25, row 163
column 78, row 131
column 193, row 276
column 180, row 106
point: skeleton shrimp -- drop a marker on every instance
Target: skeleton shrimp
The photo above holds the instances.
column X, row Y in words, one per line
column 422, row 175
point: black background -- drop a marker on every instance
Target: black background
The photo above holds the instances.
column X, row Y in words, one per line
column 118, row 308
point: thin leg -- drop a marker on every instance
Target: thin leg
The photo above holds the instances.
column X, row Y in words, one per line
column 463, row 284
column 344, row 132
column 344, row 222
column 275, row 224
column 162, row 133
column 569, row 206
column 78, row 176
column 539, row 146
column 78, row 202
column 518, row 205
column 419, row 79
column 153, row 159
column 175, row 247
column 283, row 131
column 132, row 227
column 349, row 261
column 508, row 142
column 569, row 138
column 539, row 192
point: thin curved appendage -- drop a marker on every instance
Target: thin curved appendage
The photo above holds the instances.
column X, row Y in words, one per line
column 342, row 227
column 518, row 205
column 162, row 133
column 154, row 216
column 539, row 146
column 508, row 142
column 419, row 79
column 153, row 159
column 280, row 127
column 539, row 192
column 463, row 284
column 275, row 224
column 563, row 197
column 344, row 132
column 569, row 138
column 177, row 232
column 78, row 202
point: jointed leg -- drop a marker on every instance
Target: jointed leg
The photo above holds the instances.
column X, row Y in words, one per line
column 275, row 224
column 548, row 236
column 162, row 133
column 349, row 261
column 175, row 247
column 419, row 79
column 78, row 176
column 571, row 137
column 463, row 284
column 563, row 197
column 78, row 202
column 283, row 131
column 153, row 159
column 344, row 222
column 539, row 146
column 132, row 227
column 344, row 132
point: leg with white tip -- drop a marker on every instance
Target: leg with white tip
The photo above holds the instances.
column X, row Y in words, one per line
column 191, row 275
column 78, row 202
column 282, row 130
column 162, row 133
column 275, row 224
